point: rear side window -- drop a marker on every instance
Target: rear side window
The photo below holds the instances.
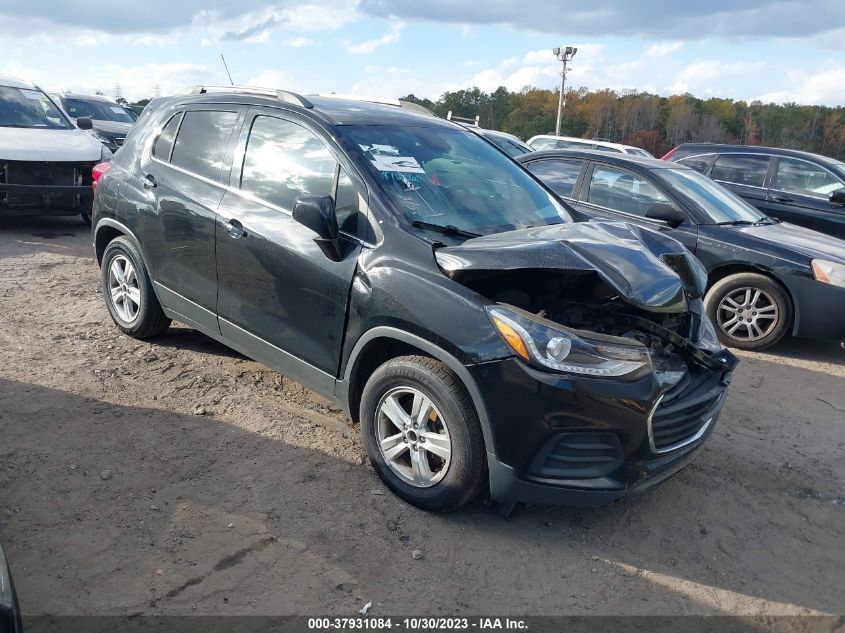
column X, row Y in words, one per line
column 558, row 175
column 699, row 163
column 202, row 141
column 284, row 160
column 741, row 169
column 164, row 143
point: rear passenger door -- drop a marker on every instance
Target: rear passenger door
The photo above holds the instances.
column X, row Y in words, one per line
column 612, row 193
column 800, row 193
column 184, row 178
column 746, row 175
column 281, row 300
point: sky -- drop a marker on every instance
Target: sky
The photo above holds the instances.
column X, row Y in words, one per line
column 772, row 50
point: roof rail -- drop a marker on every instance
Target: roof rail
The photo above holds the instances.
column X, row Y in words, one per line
column 463, row 119
column 285, row 96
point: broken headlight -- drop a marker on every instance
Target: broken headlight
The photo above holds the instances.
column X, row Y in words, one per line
column 548, row 345
column 707, row 338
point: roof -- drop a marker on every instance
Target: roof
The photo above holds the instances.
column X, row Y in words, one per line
column 333, row 110
column 691, row 149
column 15, row 82
column 576, row 139
column 624, row 160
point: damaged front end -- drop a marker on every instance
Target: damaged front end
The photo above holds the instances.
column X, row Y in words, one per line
column 618, row 374
column 45, row 187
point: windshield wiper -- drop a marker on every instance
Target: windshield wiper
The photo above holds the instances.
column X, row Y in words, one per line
column 766, row 219
column 445, row 230
column 734, row 223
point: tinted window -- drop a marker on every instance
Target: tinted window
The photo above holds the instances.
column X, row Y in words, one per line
column 742, row 169
column 605, row 148
column 201, row 144
column 623, row 191
column 164, row 142
column 284, row 160
column 699, row 163
column 101, row 110
column 559, row 175
column 805, row 178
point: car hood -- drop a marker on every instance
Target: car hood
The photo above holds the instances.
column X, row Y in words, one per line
column 807, row 242
column 39, row 144
column 112, row 128
column 650, row 270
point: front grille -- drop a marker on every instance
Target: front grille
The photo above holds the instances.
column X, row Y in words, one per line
column 42, row 182
column 683, row 414
column 578, row 456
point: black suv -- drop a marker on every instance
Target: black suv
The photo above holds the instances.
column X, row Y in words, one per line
column 799, row 187
column 410, row 271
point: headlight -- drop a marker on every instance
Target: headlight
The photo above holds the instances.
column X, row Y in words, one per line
column 547, row 345
column 829, row 272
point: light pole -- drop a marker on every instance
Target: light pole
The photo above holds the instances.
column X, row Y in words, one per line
column 564, row 55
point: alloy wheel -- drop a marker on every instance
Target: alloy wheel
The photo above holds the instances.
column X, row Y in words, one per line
column 413, row 437
column 747, row 314
column 125, row 293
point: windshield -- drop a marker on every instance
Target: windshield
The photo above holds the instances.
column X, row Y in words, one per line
column 450, row 177
column 24, row 107
column 710, row 198
column 511, row 146
column 100, row 110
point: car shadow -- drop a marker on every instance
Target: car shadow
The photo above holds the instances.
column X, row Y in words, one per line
column 65, row 235
column 179, row 336
column 126, row 510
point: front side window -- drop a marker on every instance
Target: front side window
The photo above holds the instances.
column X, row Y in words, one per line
column 439, row 175
column 559, row 175
column 201, row 144
column 29, row 108
column 699, row 163
column 805, row 179
column 623, row 191
column 284, row 160
column 741, row 169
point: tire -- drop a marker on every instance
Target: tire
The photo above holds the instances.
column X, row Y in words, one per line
column 732, row 301
column 141, row 316
column 452, row 422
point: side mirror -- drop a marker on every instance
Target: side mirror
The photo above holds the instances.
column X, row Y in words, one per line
column 317, row 213
column 84, row 123
column 667, row 213
column 837, row 196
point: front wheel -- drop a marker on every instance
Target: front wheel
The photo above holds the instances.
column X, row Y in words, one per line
column 422, row 434
column 750, row 311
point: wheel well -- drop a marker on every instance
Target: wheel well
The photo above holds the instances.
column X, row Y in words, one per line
column 104, row 236
column 376, row 353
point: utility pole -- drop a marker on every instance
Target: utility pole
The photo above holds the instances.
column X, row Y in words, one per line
column 564, row 55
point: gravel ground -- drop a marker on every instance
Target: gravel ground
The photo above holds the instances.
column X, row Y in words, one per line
column 177, row 477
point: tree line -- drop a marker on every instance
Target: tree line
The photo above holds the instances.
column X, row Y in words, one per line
column 645, row 120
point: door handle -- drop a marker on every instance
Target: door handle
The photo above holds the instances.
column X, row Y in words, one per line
column 782, row 198
column 149, row 182
column 235, row 229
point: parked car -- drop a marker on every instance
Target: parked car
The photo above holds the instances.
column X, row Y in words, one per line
column 550, row 141
column 404, row 268
column 10, row 614
column 765, row 278
column 45, row 161
column 508, row 143
column 111, row 120
column 799, row 187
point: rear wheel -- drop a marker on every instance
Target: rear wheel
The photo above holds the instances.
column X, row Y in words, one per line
column 422, row 433
column 750, row 311
column 128, row 291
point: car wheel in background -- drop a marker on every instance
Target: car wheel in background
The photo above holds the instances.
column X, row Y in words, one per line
column 128, row 292
column 750, row 311
column 422, row 433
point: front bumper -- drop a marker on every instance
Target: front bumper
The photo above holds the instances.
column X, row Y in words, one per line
column 45, row 188
column 583, row 441
column 819, row 308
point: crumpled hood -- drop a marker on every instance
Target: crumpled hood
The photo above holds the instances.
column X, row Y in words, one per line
column 40, row 144
column 630, row 259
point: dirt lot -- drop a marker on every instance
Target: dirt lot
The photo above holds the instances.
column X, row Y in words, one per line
column 177, row 477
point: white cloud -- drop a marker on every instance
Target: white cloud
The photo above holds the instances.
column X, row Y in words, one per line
column 298, row 42
column 696, row 75
column 662, row 49
column 370, row 46
column 278, row 79
column 826, row 86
